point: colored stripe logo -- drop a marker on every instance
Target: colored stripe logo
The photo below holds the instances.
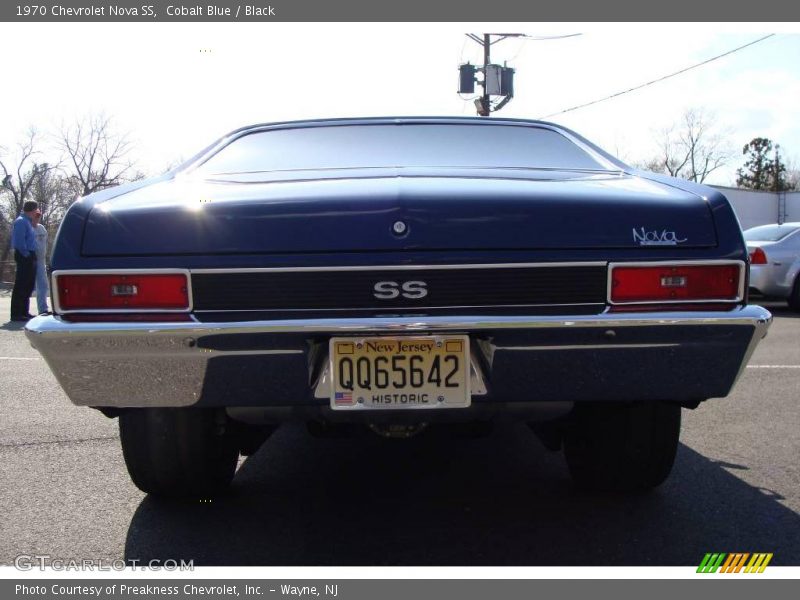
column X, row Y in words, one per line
column 736, row 562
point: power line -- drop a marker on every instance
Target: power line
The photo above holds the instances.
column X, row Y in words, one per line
column 531, row 38
column 540, row 38
column 523, row 37
column 638, row 87
column 535, row 38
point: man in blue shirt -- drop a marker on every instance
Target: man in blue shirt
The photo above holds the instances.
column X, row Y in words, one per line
column 23, row 241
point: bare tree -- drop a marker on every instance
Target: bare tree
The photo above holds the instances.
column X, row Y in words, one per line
column 19, row 176
column 691, row 149
column 54, row 192
column 97, row 154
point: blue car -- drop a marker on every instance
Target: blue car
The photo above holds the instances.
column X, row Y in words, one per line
column 392, row 274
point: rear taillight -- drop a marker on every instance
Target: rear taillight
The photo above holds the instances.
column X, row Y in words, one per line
column 123, row 291
column 758, row 257
column 674, row 283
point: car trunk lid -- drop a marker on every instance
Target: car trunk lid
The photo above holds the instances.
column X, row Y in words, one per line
column 358, row 212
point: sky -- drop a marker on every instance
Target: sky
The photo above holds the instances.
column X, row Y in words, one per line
column 176, row 87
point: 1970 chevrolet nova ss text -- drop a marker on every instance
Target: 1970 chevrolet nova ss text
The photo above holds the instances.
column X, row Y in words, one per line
column 391, row 273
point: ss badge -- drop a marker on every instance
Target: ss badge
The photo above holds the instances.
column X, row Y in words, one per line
column 389, row 290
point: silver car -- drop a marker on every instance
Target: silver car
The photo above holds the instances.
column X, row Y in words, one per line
column 775, row 261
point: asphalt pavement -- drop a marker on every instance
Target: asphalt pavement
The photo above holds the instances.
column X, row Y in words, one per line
column 431, row 500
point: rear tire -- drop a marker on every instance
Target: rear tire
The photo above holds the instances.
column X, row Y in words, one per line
column 178, row 452
column 794, row 297
column 622, row 447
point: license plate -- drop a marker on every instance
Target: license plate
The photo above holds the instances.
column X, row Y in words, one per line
column 372, row 373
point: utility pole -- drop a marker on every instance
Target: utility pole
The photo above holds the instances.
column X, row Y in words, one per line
column 484, row 109
column 497, row 80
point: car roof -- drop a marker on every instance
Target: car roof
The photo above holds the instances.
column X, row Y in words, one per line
column 791, row 224
column 399, row 120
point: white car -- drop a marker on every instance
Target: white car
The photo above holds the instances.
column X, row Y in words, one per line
column 775, row 261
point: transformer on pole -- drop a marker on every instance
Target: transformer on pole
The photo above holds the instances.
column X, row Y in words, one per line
column 498, row 80
column 466, row 79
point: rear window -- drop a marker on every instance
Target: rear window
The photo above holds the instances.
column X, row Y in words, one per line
column 407, row 145
column 769, row 233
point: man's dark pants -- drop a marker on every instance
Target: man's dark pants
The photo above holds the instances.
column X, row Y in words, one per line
column 23, row 284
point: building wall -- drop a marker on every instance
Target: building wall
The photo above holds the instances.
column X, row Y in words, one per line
column 761, row 208
column 792, row 207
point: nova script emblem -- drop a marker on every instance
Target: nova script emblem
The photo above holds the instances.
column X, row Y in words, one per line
column 656, row 238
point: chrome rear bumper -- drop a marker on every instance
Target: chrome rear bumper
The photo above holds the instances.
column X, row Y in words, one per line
column 681, row 356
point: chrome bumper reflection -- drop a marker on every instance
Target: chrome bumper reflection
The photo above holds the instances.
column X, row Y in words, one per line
column 181, row 364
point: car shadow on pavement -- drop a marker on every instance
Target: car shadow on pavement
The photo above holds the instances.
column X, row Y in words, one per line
column 439, row 500
column 779, row 309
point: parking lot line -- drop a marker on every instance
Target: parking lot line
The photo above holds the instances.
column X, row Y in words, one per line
column 19, row 358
